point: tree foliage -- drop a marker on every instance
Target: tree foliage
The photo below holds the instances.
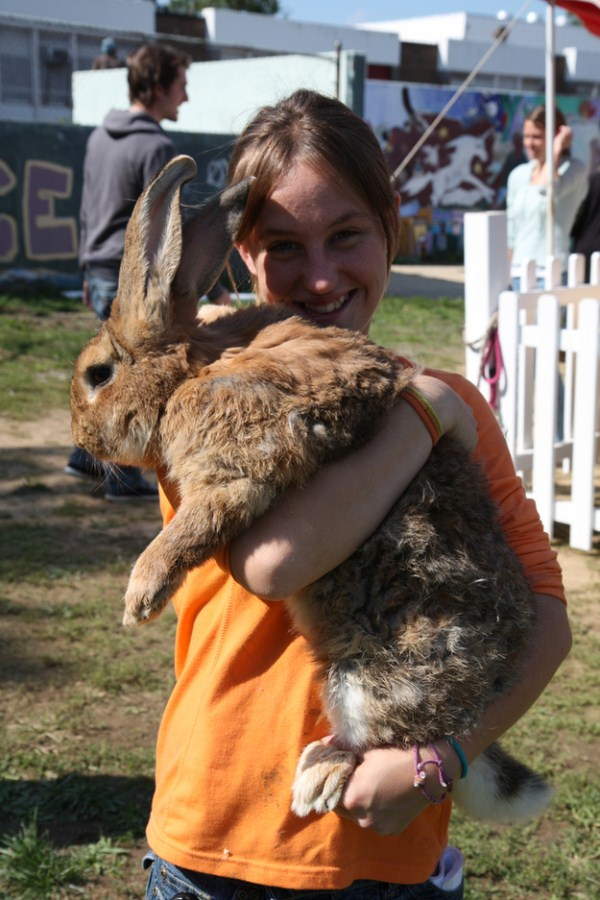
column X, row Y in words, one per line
column 269, row 7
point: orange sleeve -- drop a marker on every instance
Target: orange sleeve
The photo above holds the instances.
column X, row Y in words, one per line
column 518, row 515
column 166, row 510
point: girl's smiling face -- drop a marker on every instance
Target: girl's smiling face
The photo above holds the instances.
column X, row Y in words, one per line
column 534, row 141
column 318, row 248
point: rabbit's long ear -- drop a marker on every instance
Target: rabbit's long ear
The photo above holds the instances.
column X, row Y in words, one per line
column 153, row 250
column 207, row 240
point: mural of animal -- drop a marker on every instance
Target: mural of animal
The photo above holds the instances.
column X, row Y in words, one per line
column 455, row 183
column 423, row 625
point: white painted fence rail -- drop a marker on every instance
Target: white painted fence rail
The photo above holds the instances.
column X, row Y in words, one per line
column 549, row 410
column 550, row 385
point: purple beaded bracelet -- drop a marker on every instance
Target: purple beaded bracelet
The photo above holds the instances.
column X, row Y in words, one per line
column 421, row 774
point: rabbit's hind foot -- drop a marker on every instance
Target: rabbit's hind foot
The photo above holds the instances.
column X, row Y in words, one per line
column 321, row 776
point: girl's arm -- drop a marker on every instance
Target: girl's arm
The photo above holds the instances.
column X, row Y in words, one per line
column 569, row 173
column 313, row 529
column 380, row 793
column 510, row 213
column 571, row 177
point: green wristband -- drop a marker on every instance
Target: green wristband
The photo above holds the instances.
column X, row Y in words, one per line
column 464, row 765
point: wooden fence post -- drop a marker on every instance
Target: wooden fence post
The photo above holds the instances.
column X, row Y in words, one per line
column 544, row 426
column 584, row 437
column 508, row 332
column 595, row 268
column 576, row 269
column 486, row 275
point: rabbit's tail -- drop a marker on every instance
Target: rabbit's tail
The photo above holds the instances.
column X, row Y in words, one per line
column 499, row 788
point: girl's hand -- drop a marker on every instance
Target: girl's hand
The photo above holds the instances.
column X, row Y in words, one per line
column 562, row 141
column 455, row 415
column 381, row 795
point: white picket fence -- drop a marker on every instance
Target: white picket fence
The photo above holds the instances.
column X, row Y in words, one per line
column 550, row 383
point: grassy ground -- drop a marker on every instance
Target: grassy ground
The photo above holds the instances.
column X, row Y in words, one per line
column 81, row 697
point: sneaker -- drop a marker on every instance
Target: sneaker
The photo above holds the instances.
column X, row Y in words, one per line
column 128, row 483
column 82, row 464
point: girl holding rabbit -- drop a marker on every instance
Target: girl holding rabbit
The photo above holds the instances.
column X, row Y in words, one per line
column 319, row 234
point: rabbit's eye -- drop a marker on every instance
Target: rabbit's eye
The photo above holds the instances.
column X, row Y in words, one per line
column 98, row 375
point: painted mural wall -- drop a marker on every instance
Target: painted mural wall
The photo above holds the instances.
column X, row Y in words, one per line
column 40, row 194
column 464, row 166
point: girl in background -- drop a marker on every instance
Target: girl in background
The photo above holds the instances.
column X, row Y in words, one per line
column 526, row 197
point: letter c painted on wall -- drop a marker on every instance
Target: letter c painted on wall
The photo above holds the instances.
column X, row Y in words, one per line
column 8, row 225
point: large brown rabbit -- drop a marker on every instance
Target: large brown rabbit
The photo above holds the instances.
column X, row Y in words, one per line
column 424, row 624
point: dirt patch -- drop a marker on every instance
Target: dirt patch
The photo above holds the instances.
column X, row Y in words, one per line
column 53, row 430
column 33, row 482
column 581, row 571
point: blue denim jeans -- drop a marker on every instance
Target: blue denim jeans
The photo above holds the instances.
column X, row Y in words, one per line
column 515, row 283
column 102, row 288
column 168, row 882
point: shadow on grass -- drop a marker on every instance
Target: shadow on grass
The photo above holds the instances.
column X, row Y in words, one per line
column 32, row 551
column 78, row 809
column 21, row 462
column 19, row 665
column 53, row 527
column 406, row 284
column 39, row 299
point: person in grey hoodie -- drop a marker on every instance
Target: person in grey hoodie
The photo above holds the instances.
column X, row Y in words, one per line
column 122, row 156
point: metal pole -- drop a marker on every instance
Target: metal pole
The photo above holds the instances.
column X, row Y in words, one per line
column 502, row 36
column 338, row 59
column 550, row 127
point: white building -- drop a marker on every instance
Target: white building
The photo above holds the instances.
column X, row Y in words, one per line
column 228, row 28
column 43, row 41
column 462, row 38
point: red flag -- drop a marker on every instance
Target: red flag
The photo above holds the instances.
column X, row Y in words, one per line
column 586, row 10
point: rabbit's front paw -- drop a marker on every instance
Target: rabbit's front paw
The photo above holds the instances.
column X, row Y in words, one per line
column 148, row 590
column 321, row 776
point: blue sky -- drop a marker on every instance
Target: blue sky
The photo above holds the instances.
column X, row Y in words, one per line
column 342, row 12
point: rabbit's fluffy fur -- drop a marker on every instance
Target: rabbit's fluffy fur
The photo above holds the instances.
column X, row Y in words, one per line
column 424, row 624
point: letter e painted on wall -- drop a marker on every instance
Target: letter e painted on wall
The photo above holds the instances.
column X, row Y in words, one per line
column 8, row 225
column 46, row 235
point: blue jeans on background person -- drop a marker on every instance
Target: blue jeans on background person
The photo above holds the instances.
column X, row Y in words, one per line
column 515, row 283
column 102, row 284
column 168, row 882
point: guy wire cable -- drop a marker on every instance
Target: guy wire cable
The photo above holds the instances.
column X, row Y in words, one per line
column 503, row 33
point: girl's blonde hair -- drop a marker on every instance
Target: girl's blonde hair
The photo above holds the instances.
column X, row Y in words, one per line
column 324, row 133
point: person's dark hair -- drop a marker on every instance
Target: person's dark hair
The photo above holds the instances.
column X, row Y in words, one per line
column 538, row 117
column 108, row 46
column 152, row 65
column 320, row 131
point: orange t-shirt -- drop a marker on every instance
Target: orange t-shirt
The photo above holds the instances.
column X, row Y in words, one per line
column 247, row 702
